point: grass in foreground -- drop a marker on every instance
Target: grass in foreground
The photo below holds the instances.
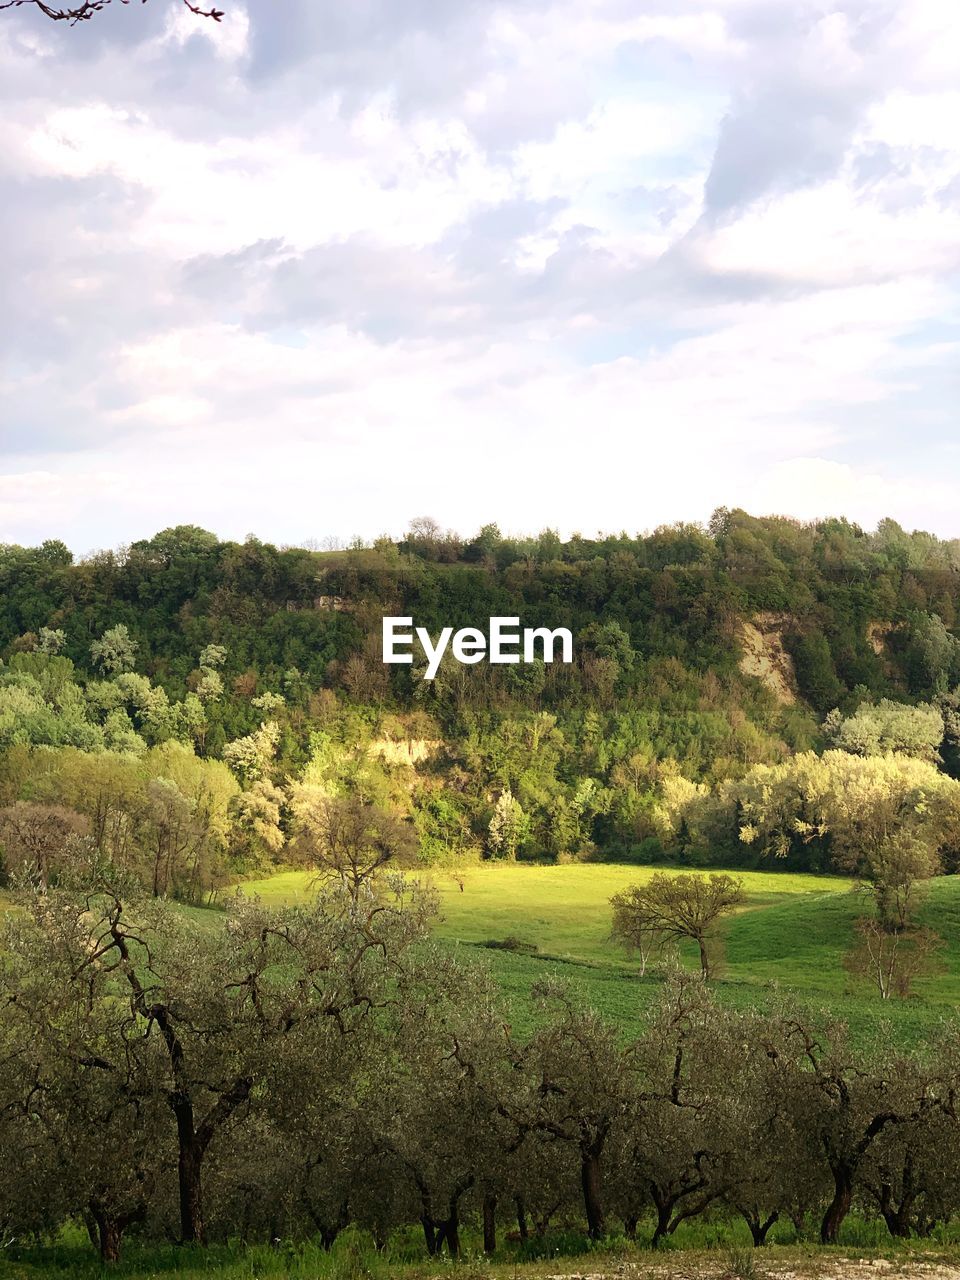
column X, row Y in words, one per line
column 711, row 1255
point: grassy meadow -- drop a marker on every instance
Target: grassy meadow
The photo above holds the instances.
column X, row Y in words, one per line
column 790, row 937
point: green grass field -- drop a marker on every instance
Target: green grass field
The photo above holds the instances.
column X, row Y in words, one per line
column 790, row 937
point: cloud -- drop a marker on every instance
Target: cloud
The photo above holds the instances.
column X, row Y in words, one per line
column 812, row 488
column 542, row 262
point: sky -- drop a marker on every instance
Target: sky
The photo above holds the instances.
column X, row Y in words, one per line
column 582, row 264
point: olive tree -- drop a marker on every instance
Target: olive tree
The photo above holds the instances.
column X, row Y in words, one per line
column 80, row 1089
column 443, row 1101
column 911, row 1174
column 579, row 1085
column 844, row 1103
column 772, row 1167
column 213, row 1004
column 677, row 1130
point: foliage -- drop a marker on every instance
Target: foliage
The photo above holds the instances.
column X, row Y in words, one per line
column 668, row 908
column 297, row 1072
column 256, row 655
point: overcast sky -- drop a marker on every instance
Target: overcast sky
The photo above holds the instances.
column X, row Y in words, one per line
column 589, row 264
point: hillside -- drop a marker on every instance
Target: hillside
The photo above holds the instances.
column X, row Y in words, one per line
column 701, row 658
column 835, row 607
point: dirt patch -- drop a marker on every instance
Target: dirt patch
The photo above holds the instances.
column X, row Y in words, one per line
column 877, row 633
column 764, row 657
column 878, row 638
column 829, row 1268
column 409, row 751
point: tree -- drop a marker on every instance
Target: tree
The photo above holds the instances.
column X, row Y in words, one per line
column 115, row 652
column 816, row 674
column 580, row 1088
column 508, row 826
column 252, row 755
column 642, row 942
column 892, row 959
column 439, row 1105
column 678, row 1117
column 79, row 1086
column 184, row 822
column 256, row 827
column 676, row 907
column 889, row 726
column 912, row 1172
column 50, row 641
column 204, row 1012
column 87, row 10
column 38, row 838
column 932, row 657
column 898, row 869
column 845, row 807
column 843, row 1103
column 768, row 1168
column 212, row 655
column 349, row 839
column 209, row 684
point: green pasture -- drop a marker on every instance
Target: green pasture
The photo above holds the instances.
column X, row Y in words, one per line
column 789, row 939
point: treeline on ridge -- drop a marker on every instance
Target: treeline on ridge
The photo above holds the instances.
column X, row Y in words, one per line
column 185, row 703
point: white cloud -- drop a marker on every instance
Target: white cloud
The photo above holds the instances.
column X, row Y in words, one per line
column 547, row 263
column 815, row 487
column 45, row 504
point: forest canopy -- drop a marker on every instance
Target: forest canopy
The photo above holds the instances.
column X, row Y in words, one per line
column 187, row 700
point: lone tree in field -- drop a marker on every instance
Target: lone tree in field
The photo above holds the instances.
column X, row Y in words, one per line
column 82, row 12
column 892, row 960
column 350, row 840
column 669, row 908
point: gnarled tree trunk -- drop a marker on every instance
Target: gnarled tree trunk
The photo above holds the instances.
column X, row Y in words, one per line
column 189, row 1166
column 759, row 1226
column 522, row 1229
column 109, row 1228
column 839, row 1206
column 489, row 1223
column 590, row 1182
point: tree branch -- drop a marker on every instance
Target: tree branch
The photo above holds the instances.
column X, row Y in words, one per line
column 87, row 10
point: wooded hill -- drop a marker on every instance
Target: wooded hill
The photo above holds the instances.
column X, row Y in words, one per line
column 709, row 664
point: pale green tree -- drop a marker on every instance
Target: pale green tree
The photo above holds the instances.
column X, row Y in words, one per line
column 508, row 826
column 51, row 641
column 886, row 726
column 251, row 757
column 115, row 652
